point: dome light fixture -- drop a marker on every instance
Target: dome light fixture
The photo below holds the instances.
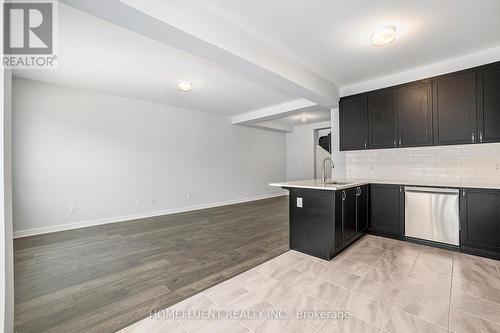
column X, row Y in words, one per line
column 184, row 86
column 384, row 36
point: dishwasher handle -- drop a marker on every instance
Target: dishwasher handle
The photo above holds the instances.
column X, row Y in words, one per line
column 437, row 190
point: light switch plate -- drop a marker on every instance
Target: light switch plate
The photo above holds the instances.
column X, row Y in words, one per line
column 299, row 202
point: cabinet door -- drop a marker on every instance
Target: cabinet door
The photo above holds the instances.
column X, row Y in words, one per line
column 386, row 210
column 353, row 123
column 489, row 104
column 481, row 219
column 349, row 214
column 415, row 115
column 362, row 209
column 382, row 115
column 454, row 108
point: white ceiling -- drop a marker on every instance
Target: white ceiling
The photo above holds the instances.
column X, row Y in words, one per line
column 97, row 55
column 332, row 37
column 311, row 117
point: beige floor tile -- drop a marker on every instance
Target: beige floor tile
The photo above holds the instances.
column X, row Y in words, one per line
column 250, row 302
column 477, row 265
column 435, row 312
column 225, row 293
column 368, row 309
column 388, row 278
column 351, row 325
column 312, row 268
column 394, row 266
column 430, row 290
column 379, row 242
column 289, row 259
column 378, row 291
column 474, row 284
column 462, row 322
column 219, row 325
column 251, row 280
column 353, row 267
column 336, row 296
column 310, row 258
column 376, row 251
column 364, row 258
column 425, row 275
column 274, row 291
column 295, row 278
column 434, row 265
column 476, row 306
column 271, row 268
column 405, row 257
column 196, row 303
column 400, row 321
column 288, row 326
column 151, row 325
column 340, row 278
column 436, row 254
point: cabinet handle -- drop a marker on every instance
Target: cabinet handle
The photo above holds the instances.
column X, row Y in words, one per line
column 395, row 143
column 480, row 136
column 366, row 145
column 463, row 193
column 400, row 142
column 473, row 138
column 358, row 190
column 343, row 195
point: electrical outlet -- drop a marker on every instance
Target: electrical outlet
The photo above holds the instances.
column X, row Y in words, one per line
column 139, row 202
column 154, row 201
column 188, row 196
column 72, row 208
column 299, row 202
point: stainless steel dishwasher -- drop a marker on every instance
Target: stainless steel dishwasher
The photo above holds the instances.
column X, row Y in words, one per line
column 432, row 214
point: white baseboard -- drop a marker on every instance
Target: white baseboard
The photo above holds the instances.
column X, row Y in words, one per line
column 124, row 218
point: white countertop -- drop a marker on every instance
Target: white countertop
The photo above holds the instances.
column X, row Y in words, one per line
column 347, row 183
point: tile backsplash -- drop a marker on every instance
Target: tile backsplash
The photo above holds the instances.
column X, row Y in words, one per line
column 474, row 163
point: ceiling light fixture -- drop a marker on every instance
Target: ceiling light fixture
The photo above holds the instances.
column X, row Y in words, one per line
column 384, row 36
column 184, row 86
column 304, row 119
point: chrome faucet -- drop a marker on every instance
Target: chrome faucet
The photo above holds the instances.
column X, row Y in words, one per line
column 324, row 168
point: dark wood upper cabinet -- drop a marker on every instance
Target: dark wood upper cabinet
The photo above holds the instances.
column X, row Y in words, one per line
column 488, row 110
column 454, row 108
column 353, row 123
column 382, row 115
column 415, row 115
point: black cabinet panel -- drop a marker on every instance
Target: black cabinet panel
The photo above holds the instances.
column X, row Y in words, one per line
column 349, row 214
column 454, row 108
column 489, row 103
column 386, row 210
column 362, row 212
column 312, row 225
column 382, row 115
column 481, row 219
column 353, row 123
column 415, row 115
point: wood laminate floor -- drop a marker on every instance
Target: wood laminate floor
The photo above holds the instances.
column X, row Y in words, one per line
column 103, row 278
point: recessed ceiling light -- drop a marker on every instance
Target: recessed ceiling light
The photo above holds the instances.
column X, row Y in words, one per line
column 304, row 119
column 184, row 86
column 384, row 36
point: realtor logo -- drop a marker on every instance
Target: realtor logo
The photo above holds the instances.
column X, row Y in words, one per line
column 28, row 34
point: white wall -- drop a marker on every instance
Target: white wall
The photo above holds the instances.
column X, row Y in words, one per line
column 6, row 246
column 102, row 153
column 300, row 151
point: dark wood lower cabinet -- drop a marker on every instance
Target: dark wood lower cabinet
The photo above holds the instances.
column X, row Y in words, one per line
column 480, row 222
column 323, row 223
column 387, row 210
